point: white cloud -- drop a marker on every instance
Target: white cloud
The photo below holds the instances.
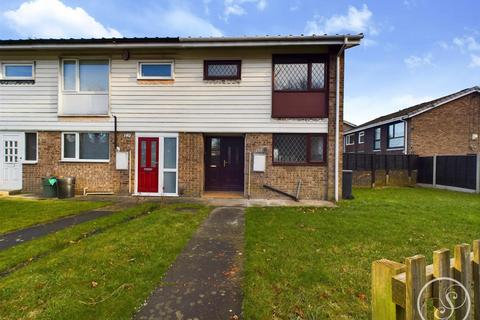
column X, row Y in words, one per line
column 355, row 21
column 475, row 61
column 468, row 43
column 53, row 19
column 236, row 7
column 360, row 109
column 418, row 61
column 184, row 23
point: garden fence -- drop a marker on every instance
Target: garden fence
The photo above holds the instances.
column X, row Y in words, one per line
column 451, row 287
column 374, row 161
column 459, row 172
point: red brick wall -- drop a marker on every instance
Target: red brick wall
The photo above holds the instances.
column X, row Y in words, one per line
column 447, row 129
column 97, row 177
column 285, row 178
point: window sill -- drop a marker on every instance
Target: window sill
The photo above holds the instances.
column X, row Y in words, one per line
column 84, row 161
column 83, row 115
column 313, row 164
column 17, row 81
column 30, row 162
column 155, row 81
column 395, row 149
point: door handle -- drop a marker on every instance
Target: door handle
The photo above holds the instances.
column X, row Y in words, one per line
column 225, row 163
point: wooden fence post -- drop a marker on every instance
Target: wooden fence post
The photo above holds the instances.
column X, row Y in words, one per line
column 383, row 307
column 441, row 269
column 415, row 281
column 476, row 278
column 462, row 272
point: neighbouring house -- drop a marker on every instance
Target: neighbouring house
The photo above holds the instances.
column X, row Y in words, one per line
column 347, row 126
column 175, row 116
column 445, row 126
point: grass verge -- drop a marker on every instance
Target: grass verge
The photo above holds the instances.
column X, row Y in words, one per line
column 105, row 276
column 304, row 263
column 20, row 213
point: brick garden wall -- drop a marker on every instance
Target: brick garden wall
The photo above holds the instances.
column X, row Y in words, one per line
column 447, row 129
column 97, row 177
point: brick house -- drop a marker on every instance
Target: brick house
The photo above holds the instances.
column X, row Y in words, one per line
column 445, row 126
column 174, row 116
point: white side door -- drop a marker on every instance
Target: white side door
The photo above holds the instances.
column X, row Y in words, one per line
column 11, row 158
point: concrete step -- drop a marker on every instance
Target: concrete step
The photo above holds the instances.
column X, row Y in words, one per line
column 6, row 193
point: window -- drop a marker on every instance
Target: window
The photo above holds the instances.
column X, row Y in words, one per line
column 222, row 69
column 155, row 70
column 377, row 138
column 299, row 149
column 86, row 75
column 299, row 73
column 89, row 146
column 396, row 135
column 361, row 137
column 18, row 71
column 350, row 139
column 30, row 147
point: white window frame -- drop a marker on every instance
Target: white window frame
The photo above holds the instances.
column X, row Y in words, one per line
column 161, row 169
column 160, row 62
column 350, row 139
column 25, row 161
column 77, row 75
column 4, row 70
column 361, row 137
column 77, row 148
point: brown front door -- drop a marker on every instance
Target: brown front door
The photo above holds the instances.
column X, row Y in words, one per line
column 224, row 163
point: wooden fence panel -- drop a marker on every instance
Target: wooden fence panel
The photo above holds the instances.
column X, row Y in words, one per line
column 401, row 291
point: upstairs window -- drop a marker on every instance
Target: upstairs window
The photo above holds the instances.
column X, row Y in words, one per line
column 86, row 75
column 377, row 138
column 222, row 69
column 299, row 149
column 162, row 70
column 396, row 135
column 299, row 73
column 361, row 137
column 18, row 71
column 350, row 139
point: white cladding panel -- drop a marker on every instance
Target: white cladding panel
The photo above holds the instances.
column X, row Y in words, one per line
column 187, row 104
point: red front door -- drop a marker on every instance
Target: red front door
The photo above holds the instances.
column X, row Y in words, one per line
column 148, row 165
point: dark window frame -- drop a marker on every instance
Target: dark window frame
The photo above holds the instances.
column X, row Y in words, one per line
column 309, row 162
column 298, row 59
column 394, row 136
column 207, row 63
column 375, row 138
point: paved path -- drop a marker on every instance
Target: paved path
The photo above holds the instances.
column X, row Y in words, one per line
column 11, row 239
column 204, row 283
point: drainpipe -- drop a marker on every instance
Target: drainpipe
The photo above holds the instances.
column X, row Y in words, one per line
column 405, row 141
column 337, row 116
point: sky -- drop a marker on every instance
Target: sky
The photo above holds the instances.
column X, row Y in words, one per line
column 413, row 51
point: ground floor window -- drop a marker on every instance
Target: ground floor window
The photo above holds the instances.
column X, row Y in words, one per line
column 299, row 149
column 30, row 147
column 85, row 146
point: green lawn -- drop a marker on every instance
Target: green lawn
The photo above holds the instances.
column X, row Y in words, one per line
column 97, row 270
column 315, row 263
column 19, row 213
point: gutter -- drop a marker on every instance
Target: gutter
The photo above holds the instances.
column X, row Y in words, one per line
column 337, row 116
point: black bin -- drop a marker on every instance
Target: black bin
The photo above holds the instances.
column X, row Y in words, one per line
column 347, row 182
column 49, row 187
column 66, row 187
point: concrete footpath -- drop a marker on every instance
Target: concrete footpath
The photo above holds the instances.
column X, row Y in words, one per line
column 204, row 283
